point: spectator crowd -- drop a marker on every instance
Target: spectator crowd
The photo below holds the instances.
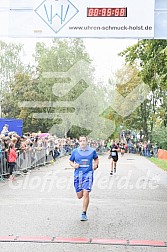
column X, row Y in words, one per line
column 47, row 147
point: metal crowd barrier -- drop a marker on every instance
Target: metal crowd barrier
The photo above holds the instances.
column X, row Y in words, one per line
column 29, row 159
column 33, row 158
column 4, row 171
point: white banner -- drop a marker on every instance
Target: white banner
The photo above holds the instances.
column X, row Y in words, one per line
column 78, row 18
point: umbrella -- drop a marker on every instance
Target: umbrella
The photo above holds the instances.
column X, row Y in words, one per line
column 43, row 135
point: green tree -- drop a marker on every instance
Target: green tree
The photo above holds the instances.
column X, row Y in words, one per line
column 159, row 137
column 10, row 64
column 29, row 91
column 149, row 56
column 124, row 82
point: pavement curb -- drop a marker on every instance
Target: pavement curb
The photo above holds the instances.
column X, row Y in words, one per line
column 81, row 240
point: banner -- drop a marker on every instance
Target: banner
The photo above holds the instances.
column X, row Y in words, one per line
column 77, row 18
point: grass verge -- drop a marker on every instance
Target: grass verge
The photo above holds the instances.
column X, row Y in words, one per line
column 159, row 162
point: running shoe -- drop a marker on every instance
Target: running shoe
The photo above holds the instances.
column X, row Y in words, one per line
column 83, row 217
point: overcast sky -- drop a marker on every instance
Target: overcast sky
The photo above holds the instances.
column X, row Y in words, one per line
column 104, row 52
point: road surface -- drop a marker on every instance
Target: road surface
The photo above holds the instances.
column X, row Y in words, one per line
column 127, row 212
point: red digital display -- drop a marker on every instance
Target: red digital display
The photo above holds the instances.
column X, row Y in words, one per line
column 106, row 12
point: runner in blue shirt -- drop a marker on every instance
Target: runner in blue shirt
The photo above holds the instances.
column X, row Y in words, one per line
column 82, row 161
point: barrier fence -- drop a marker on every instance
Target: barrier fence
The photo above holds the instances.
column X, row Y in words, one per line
column 36, row 157
column 29, row 159
column 33, row 158
column 162, row 154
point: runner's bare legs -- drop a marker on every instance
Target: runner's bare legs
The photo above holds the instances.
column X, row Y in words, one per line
column 85, row 195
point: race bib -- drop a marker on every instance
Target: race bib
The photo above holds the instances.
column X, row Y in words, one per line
column 84, row 163
column 113, row 154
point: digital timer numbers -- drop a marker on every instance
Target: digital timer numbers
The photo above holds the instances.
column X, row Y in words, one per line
column 106, row 12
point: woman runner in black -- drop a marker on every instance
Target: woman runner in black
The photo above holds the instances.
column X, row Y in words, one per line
column 113, row 154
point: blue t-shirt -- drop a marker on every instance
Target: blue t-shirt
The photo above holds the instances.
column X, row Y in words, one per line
column 84, row 158
column 0, row 151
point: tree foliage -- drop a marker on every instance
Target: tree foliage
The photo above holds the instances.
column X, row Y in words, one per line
column 145, row 62
column 32, row 96
column 159, row 137
column 150, row 59
column 10, row 63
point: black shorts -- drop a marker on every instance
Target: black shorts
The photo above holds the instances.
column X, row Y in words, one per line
column 114, row 155
column 115, row 158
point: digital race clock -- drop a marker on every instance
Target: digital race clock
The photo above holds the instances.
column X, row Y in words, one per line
column 106, row 12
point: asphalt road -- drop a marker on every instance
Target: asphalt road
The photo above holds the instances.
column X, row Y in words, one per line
column 130, row 205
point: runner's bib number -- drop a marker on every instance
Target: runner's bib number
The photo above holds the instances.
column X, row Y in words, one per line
column 113, row 153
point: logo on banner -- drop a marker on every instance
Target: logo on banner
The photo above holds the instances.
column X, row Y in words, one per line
column 56, row 13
